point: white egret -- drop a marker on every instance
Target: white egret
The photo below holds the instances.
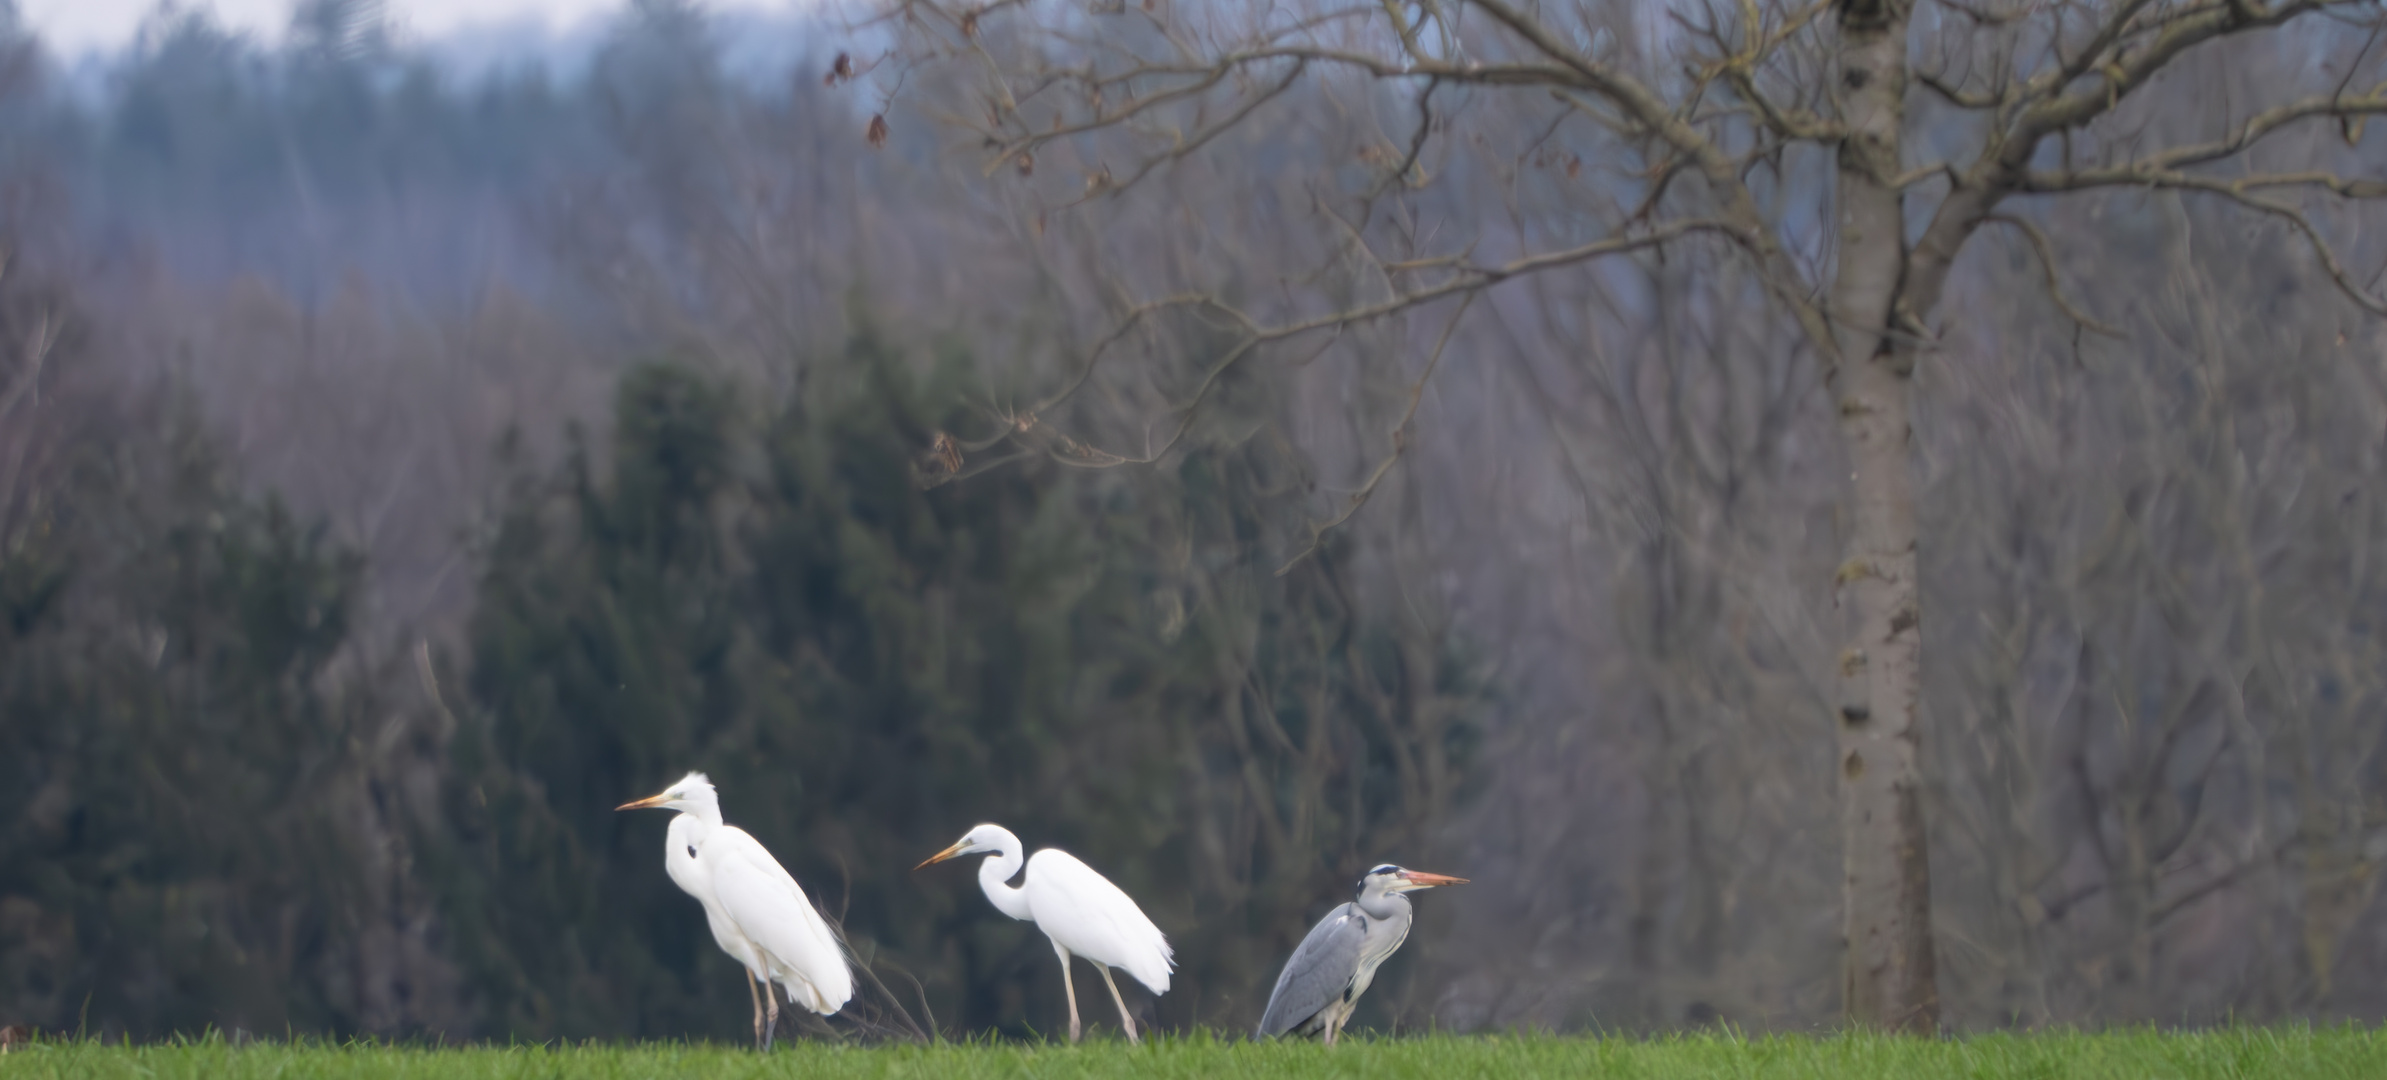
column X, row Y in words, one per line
column 1080, row 910
column 1322, row 981
column 758, row 913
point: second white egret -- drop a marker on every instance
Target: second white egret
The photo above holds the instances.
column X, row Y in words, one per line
column 1080, row 910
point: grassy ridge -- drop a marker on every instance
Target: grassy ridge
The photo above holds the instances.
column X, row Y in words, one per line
column 2349, row 1053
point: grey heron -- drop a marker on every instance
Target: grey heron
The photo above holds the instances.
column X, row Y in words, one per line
column 1078, row 909
column 1322, row 982
column 758, row 913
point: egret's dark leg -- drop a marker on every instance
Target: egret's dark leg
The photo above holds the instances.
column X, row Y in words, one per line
column 1126, row 1022
column 770, row 1026
column 758, row 1010
column 1069, row 989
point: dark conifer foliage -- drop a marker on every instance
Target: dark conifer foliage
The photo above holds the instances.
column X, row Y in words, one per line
column 179, row 770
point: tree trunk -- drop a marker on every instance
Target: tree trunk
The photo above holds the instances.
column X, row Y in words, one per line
column 1886, row 889
column 1887, row 886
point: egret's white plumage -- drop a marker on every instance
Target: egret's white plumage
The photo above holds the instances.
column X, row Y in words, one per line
column 757, row 913
column 1080, row 910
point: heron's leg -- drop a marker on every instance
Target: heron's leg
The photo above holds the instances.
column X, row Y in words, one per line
column 770, row 1026
column 1334, row 1024
column 1125, row 1021
column 1069, row 990
column 758, row 1008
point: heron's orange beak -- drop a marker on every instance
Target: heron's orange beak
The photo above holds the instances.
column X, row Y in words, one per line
column 1424, row 880
column 942, row 855
column 649, row 801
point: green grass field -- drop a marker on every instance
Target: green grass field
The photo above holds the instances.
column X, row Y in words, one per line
column 2139, row 1055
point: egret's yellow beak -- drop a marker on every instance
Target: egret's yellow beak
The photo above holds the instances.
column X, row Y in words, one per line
column 1424, row 880
column 651, row 800
column 943, row 855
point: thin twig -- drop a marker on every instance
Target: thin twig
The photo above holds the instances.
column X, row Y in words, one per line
column 2055, row 287
column 1400, row 442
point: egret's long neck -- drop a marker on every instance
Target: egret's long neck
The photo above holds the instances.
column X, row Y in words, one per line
column 690, row 827
column 704, row 806
column 998, row 869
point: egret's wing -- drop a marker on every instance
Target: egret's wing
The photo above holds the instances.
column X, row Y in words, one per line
column 773, row 913
column 1319, row 971
column 1089, row 916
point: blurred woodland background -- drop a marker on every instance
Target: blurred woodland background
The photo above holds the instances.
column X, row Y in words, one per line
column 403, row 462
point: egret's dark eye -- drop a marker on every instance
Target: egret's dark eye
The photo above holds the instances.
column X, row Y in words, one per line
column 691, row 851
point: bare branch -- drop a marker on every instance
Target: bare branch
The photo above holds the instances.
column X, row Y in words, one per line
column 1911, row 177
column 2005, row 169
column 45, row 335
column 1638, row 101
column 1740, row 72
column 2269, row 121
column 2239, row 192
column 2120, row 73
column 1465, row 279
column 2094, row 51
column 2055, row 288
column 1958, row 96
column 1203, row 138
column 1400, row 442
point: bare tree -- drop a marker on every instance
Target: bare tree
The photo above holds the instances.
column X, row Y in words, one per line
column 2167, row 626
column 1778, row 130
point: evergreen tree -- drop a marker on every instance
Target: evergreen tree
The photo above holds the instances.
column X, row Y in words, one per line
column 172, row 766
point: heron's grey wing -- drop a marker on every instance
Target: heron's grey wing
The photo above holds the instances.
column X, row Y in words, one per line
column 1319, row 971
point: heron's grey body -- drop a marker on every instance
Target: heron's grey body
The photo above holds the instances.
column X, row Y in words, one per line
column 1322, row 982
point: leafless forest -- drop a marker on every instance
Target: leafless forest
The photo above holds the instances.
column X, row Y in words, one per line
column 1241, row 443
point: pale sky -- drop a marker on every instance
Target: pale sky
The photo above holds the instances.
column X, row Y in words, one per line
column 74, row 27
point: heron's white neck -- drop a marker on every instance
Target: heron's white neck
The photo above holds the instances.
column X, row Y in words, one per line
column 1382, row 903
column 998, row 869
